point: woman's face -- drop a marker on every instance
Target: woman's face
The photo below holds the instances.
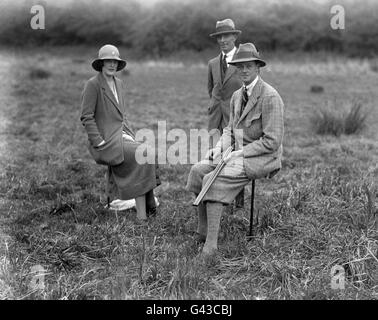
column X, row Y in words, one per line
column 110, row 67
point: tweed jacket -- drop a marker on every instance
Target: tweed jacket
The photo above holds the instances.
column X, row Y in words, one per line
column 104, row 119
column 258, row 131
column 220, row 93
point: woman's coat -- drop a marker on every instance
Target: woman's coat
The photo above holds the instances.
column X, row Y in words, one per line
column 104, row 119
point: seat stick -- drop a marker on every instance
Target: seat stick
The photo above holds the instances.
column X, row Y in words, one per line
column 252, row 208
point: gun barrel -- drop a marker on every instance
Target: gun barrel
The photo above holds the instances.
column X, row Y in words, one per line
column 215, row 173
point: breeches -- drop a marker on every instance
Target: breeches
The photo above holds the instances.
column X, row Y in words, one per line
column 230, row 181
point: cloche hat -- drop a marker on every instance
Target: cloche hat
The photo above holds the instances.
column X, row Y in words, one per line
column 108, row 51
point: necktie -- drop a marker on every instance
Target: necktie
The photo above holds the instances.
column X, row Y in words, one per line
column 244, row 100
column 224, row 66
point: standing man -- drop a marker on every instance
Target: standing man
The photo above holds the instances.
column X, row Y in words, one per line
column 222, row 82
column 256, row 126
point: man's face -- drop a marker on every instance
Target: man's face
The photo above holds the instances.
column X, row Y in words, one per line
column 226, row 42
column 247, row 71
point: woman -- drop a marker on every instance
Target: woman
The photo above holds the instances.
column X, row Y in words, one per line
column 111, row 140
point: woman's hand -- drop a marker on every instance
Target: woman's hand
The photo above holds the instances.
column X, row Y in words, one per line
column 101, row 143
column 128, row 137
column 233, row 156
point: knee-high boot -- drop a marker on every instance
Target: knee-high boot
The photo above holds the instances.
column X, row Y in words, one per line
column 214, row 213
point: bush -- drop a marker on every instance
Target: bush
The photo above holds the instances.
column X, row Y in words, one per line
column 373, row 65
column 334, row 122
column 316, row 89
column 38, row 73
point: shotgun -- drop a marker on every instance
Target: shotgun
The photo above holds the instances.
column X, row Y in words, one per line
column 214, row 174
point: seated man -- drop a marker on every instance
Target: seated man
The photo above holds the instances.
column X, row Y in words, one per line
column 255, row 130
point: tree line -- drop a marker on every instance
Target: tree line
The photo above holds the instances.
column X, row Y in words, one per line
column 168, row 27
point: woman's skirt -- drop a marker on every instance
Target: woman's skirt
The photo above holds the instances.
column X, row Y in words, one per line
column 130, row 179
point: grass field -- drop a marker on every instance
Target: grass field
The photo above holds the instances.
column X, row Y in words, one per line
column 318, row 212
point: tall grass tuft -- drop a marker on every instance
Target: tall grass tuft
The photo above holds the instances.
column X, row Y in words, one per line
column 333, row 122
column 354, row 121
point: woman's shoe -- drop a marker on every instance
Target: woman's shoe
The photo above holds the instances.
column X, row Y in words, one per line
column 121, row 205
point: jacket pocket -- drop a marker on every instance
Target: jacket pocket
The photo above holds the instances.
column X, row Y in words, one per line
column 110, row 153
column 249, row 120
column 213, row 104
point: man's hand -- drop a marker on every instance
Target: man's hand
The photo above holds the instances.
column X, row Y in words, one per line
column 212, row 154
column 233, row 156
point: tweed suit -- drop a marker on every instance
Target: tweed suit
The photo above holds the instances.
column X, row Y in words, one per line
column 220, row 93
column 258, row 131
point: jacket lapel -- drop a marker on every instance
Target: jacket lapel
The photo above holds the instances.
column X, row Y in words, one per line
column 217, row 69
column 238, row 104
column 106, row 90
column 256, row 92
column 119, row 93
column 230, row 71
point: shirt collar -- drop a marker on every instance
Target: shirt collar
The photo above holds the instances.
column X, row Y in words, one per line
column 251, row 86
column 229, row 54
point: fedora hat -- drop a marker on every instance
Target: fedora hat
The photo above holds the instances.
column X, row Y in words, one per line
column 247, row 52
column 224, row 27
column 110, row 52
